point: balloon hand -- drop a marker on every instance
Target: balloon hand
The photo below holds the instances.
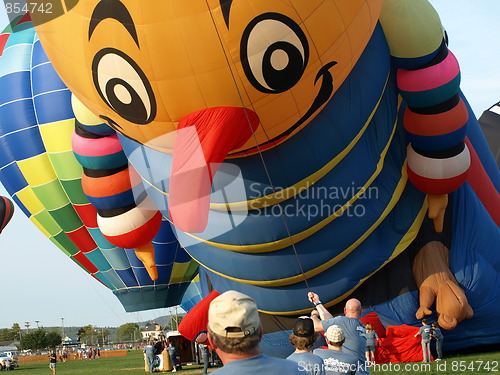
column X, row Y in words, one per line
column 437, row 209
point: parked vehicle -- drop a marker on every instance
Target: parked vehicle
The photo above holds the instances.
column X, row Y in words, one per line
column 6, row 361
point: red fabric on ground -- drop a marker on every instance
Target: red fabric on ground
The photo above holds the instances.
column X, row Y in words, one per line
column 375, row 322
column 399, row 345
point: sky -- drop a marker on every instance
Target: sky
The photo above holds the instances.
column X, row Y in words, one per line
column 39, row 282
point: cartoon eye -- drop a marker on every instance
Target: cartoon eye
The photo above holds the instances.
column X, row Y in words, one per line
column 274, row 52
column 123, row 86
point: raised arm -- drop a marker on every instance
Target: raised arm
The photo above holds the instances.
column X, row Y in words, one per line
column 324, row 314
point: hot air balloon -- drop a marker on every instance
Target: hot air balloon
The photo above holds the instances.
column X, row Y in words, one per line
column 298, row 146
column 490, row 125
column 40, row 171
column 6, row 212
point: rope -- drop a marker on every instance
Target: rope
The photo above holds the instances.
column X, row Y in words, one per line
column 261, row 156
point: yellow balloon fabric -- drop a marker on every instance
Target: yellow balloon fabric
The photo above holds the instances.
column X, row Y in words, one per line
column 409, row 36
column 142, row 67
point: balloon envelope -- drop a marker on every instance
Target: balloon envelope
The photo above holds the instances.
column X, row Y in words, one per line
column 40, row 172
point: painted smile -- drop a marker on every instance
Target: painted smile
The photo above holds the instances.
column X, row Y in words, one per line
column 324, row 94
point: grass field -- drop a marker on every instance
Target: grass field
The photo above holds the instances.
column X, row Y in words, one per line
column 476, row 364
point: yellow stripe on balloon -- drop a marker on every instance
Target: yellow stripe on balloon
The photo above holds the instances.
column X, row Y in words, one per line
column 402, row 245
column 42, row 229
column 182, row 272
column 295, row 189
column 290, row 192
column 284, row 242
column 57, row 135
column 30, row 200
column 316, row 271
column 37, row 170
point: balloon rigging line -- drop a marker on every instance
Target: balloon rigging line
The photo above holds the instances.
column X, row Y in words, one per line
column 260, row 153
column 100, row 295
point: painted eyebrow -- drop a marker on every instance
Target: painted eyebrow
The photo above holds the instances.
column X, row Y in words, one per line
column 226, row 8
column 116, row 10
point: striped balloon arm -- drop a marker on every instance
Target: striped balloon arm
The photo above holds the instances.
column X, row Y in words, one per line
column 428, row 79
column 108, row 181
column 436, row 122
column 56, row 124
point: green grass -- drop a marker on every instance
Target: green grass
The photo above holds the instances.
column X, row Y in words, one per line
column 133, row 364
column 463, row 364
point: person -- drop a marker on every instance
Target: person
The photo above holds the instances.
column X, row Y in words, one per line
column 336, row 361
column 149, row 352
column 158, row 344
column 205, row 354
column 8, row 365
column 438, row 336
column 371, row 343
column 234, row 332
column 352, row 328
column 172, row 352
column 425, row 332
column 302, row 339
column 53, row 361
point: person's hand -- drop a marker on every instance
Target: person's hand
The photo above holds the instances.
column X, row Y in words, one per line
column 313, row 297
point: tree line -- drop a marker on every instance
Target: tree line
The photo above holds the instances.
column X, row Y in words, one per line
column 42, row 338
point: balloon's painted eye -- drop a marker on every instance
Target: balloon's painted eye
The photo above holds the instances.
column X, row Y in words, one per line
column 123, row 86
column 274, row 52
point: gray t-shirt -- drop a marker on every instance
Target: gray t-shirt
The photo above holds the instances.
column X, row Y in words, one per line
column 355, row 342
column 370, row 338
column 260, row 365
column 337, row 362
column 437, row 333
column 308, row 363
column 149, row 350
column 425, row 331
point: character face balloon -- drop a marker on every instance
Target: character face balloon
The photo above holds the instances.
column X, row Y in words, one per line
column 144, row 66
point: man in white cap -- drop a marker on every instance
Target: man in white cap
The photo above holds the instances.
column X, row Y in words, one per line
column 235, row 331
column 353, row 329
column 335, row 361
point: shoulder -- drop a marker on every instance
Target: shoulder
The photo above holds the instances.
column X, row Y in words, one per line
column 351, row 357
column 329, row 322
column 345, row 357
column 321, row 352
column 313, row 358
column 281, row 363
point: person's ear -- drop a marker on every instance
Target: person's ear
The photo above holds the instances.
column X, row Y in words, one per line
column 211, row 342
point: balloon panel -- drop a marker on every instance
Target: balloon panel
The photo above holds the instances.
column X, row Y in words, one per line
column 39, row 170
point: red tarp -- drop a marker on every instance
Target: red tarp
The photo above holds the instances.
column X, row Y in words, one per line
column 397, row 343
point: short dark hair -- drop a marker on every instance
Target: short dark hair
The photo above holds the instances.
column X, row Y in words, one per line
column 424, row 321
column 340, row 343
column 303, row 343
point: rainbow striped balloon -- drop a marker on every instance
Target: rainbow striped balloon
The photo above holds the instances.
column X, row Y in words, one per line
column 41, row 173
